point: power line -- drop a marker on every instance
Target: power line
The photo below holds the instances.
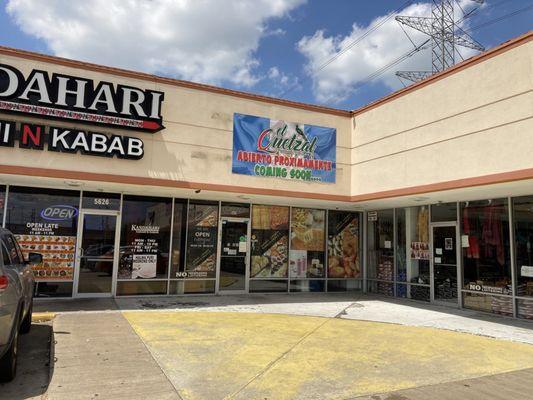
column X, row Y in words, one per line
column 411, row 52
column 364, row 35
column 350, row 46
column 501, row 18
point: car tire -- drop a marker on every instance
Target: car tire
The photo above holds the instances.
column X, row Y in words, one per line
column 26, row 322
column 8, row 363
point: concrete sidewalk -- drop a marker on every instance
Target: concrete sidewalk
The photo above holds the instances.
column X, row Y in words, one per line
column 98, row 355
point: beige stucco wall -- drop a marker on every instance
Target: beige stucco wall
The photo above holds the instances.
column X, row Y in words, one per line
column 472, row 123
column 196, row 145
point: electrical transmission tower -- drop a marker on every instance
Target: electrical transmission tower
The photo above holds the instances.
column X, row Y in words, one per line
column 445, row 35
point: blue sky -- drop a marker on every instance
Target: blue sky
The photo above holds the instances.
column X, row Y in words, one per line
column 270, row 47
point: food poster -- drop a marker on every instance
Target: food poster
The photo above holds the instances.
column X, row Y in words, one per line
column 46, row 224
column 343, row 245
column 201, row 241
column 307, row 253
column 270, row 242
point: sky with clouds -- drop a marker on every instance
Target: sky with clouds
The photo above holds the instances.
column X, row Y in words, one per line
column 315, row 51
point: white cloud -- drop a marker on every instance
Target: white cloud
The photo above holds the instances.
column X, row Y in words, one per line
column 280, row 82
column 200, row 40
column 338, row 80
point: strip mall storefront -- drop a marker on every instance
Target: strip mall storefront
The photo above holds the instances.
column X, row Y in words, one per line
column 131, row 184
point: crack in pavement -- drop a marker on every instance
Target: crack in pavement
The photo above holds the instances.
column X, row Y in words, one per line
column 271, row 364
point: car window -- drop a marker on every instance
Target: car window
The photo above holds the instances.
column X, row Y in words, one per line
column 12, row 249
column 5, row 255
column 19, row 250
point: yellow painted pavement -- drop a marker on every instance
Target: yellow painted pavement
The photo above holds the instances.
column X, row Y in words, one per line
column 270, row 356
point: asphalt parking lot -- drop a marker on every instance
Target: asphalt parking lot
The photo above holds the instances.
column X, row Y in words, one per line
column 33, row 369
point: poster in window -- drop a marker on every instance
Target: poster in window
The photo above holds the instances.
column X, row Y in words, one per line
column 145, row 237
column 201, row 241
column 45, row 221
column 307, row 243
column 270, row 242
column 343, row 245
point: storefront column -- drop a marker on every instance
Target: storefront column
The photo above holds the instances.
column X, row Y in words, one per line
column 170, row 254
column 5, row 207
column 365, row 252
column 460, row 280
column 510, row 209
column 394, row 249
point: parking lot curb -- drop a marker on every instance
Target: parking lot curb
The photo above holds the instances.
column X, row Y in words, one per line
column 42, row 317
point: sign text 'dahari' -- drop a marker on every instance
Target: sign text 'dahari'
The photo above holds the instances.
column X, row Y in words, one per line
column 79, row 99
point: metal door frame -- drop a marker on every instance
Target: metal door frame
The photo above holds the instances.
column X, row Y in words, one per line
column 246, row 258
column 452, row 224
column 79, row 241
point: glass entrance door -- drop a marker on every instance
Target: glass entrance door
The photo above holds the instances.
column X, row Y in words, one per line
column 445, row 264
column 233, row 256
column 96, row 255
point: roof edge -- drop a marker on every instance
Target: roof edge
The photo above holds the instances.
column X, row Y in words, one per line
column 66, row 62
column 501, row 48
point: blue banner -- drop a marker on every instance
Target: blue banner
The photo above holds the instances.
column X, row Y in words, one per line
column 280, row 149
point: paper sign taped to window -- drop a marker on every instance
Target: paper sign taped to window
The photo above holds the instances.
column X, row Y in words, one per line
column 144, row 266
column 438, row 260
column 438, row 251
column 388, row 244
column 242, row 247
column 464, row 241
column 527, row 270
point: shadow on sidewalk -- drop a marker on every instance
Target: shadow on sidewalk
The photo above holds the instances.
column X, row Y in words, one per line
column 33, row 369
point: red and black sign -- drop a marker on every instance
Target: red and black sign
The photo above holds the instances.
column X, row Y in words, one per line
column 79, row 99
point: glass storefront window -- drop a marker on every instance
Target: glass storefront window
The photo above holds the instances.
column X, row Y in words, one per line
column 202, row 231
column 46, row 221
column 137, row 288
column 2, row 203
column 444, row 212
column 524, row 308
column 380, row 245
column 345, row 285
column 483, row 302
column 307, row 286
column 523, row 232
column 268, row 286
column 144, row 239
column 381, row 288
column 193, row 286
column 177, row 267
column 485, row 246
column 307, row 254
column 412, row 247
column 269, row 242
column 343, row 245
